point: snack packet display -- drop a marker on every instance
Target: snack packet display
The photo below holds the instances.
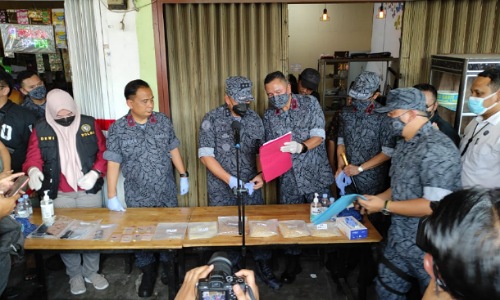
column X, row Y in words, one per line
column 202, row 230
column 325, row 229
column 264, row 228
column 293, row 229
column 229, row 225
column 170, row 231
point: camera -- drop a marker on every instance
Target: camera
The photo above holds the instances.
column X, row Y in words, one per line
column 219, row 283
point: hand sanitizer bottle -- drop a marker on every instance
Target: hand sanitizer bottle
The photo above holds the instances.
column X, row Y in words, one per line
column 47, row 206
column 315, row 207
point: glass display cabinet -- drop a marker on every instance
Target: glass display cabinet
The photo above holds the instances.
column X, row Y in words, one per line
column 452, row 75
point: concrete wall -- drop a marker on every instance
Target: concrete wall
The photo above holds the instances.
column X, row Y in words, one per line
column 349, row 29
column 128, row 47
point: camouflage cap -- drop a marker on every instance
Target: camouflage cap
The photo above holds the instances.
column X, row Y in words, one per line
column 239, row 88
column 309, row 78
column 365, row 85
column 404, row 98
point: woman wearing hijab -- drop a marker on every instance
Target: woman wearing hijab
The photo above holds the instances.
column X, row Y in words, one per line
column 65, row 157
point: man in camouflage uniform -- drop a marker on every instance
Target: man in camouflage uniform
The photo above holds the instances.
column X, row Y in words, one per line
column 425, row 167
column 311, row 172
column 218, row 153
column 144, row 145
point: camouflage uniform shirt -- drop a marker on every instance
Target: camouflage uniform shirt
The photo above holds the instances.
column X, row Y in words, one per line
column 143, row 151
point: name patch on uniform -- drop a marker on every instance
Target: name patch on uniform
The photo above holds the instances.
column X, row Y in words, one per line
column 47, row 138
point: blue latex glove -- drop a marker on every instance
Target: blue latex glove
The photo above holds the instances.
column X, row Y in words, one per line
column 352, row 212
column 115, row 204
column 342, row 181
column 249, row 186
column 184, row 185
column 339, row 205
column 233, row 182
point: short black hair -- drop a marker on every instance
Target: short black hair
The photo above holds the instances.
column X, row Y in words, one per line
column 493, row 74
column 425, row 87
column 132, row 87
column 464, row 241
column 276, row 74
column 6, row 79
column 23, row 75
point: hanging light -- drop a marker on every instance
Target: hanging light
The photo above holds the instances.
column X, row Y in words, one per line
column 324, row 17
column 381, row 11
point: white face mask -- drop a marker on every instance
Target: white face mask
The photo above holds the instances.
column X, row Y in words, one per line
column 476, row 104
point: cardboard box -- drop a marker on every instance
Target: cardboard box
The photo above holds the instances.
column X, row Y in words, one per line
column 352, row 228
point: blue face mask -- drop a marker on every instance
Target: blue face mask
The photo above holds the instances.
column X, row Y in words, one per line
column 38, row 93
column 398, row 125
column 476, row 105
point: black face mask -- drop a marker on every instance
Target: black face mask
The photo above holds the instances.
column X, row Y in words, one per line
column 65, row 121
column 241, row 109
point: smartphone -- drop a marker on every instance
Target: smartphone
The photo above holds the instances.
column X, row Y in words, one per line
column 21, row 184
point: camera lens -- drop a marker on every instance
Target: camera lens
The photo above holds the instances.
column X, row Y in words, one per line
column 221, row 263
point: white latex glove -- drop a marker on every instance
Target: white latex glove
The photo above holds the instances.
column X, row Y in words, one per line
column 36, row 178
column 249, row 186
column 115, row 204
column 88, row 180
column 184, row 185
column 292, row 147
column 233, row 182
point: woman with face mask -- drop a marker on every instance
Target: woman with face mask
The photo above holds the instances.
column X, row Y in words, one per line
column 65, row 157
column 480, row 145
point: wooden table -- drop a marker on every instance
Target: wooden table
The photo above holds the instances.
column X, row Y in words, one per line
column 153, row 216
column 282, row 213
column 265, row 212
column 132, row 217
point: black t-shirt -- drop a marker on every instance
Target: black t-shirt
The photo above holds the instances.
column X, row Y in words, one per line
column 15, row 132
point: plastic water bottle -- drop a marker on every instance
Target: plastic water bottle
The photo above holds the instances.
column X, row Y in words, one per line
column 315, row 207
column 21, row 211
column 27, row 203
column 325, row 203
column 332, row 199
column 47, row 206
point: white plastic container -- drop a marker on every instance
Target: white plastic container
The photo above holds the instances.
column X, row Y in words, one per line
column 47, row 206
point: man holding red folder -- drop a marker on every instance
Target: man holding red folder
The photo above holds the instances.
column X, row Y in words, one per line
column 310, row 172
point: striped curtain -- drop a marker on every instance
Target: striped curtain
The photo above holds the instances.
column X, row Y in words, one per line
column 444, row 27
column 206, row 43
column 89, row 80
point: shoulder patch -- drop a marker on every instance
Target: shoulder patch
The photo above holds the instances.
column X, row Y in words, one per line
column 85, row 127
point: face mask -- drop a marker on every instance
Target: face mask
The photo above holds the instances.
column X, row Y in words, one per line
column 279, row 101
column 476, row 105
column 65, row 121
column 398, row 125
column 38, row 93
column 241, row 109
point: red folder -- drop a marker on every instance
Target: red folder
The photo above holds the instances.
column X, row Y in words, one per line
column 274, row 163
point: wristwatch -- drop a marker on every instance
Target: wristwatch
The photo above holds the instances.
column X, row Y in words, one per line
column 386, row 210
column 185, row 174
column 360, row 169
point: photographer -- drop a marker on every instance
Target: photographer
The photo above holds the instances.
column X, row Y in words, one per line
column 188, row 289
column 462, row 243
